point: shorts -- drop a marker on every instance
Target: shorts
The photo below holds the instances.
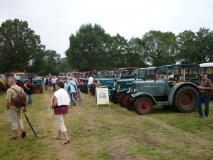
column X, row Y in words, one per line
column 14, row 116
column 60, row 120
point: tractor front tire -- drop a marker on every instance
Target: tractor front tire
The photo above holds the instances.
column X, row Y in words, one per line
column 114, row 97
column 143, row 105
column 122, row 99
column 37, row 89
column 129, row 104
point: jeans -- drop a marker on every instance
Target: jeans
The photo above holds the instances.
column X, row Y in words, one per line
column 79, row 94
column 72, row 97
column 30, row 99
column 203, row 99
column 53, row 86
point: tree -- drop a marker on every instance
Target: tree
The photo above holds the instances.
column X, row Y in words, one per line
column 134, row 56
column 187, row 50
column 18, row 46
column 89, row 48
column 51, row 62
column 158, row 48
column 117, row 51
column 205, row 45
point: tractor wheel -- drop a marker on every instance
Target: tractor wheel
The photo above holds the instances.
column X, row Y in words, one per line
column 122, row 99
column 37, row 89
column 143, row 105
column 20, row 84
column 185, row 99
column 110, row 97
column 129, row 104
column 1, row 87
column 4, row 84
column 114, row 97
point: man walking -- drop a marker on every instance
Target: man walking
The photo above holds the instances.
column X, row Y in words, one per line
column 45, row 82
column 53, row 82
column 79, row 83
column 205, row 89
column 14, row 113
column 90, row 84
column 72, row 89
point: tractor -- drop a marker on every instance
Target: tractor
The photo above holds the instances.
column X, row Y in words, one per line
column 172, row 86
column 123, row 85
column 127, row 74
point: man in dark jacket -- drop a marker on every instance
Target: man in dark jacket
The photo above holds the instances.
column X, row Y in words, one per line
column 205, row 90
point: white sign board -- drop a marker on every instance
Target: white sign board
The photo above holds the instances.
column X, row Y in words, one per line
column 102, row 96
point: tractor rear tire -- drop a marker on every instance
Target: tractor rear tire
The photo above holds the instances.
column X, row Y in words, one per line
column 143, row 105
column 114, row 97
column 122, row 99
column 185, row 99
column 129, row 104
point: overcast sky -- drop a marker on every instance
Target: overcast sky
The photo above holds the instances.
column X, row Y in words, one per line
column 56, row 20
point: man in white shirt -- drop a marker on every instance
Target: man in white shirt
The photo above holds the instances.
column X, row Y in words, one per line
column 90, row 84
column 45, row 81
column 54, row 82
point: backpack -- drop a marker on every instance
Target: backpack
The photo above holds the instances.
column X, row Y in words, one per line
column 20, row 100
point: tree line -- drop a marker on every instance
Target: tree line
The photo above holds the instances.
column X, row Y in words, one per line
column 92, row 48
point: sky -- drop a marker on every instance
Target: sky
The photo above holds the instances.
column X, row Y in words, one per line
column 56, row 20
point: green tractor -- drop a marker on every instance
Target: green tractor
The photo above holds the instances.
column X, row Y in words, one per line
column 120, row 93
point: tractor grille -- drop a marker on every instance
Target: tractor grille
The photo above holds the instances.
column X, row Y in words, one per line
column 133, row 85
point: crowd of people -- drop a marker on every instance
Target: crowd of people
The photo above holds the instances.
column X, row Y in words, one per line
column 71, row 86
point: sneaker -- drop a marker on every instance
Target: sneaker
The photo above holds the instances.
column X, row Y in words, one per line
column 199, row 116
column 23, row 133
column 58, row 138
column 14, row 138
column 205, row 117
column 66, row 142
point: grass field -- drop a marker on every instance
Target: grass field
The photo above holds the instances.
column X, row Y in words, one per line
column 108, row 133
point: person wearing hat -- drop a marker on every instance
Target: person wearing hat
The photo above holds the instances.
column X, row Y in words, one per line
column 205, row 91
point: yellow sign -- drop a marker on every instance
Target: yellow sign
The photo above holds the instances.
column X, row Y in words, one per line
column 102, row 96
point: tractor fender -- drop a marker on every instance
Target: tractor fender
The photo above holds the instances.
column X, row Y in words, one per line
column 174, row 89
column 106, row 86
column 123, row 91
column 113, row 89
column 36, row 85
column 144, row 94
